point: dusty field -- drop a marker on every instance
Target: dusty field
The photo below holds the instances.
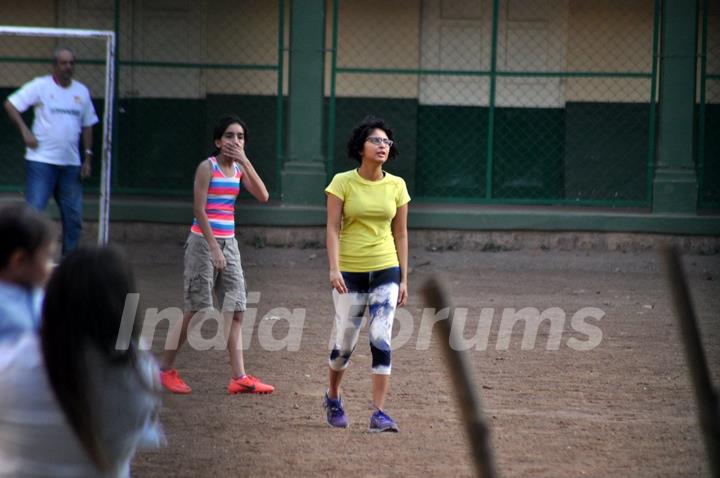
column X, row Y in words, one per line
column 624, row 408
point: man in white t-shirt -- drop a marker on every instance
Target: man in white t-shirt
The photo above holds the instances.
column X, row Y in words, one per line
column 63, row 113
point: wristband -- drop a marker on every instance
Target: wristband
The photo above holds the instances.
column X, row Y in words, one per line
column 89, row 151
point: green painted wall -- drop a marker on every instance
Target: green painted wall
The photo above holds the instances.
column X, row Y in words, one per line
column 12, row 150
column 710, row 181
column 163, row 140
column 529, row 153
column 584, row 151
column 452, row 155
column 260, row 115
column 160, row 142
column 606, row 150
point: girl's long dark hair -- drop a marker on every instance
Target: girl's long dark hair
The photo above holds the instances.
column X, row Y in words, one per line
column 220, row 127
column 83, row 308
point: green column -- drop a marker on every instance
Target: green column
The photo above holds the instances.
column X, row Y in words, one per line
column 675, row 185
column 303, row 175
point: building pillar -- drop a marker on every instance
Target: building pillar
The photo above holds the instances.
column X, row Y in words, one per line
column 303, row 175
column 675, row 184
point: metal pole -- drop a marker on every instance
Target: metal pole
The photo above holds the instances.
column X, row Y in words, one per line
column 491, row 103
column 705, row 394
column 652, row 126
column 701, row 112
column 478, row 431
column 106, row 159
column 332, row 105
column 279, row 107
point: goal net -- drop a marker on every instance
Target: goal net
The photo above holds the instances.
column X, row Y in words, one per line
column 26, row 53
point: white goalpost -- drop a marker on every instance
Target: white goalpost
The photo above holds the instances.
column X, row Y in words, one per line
column 106, row 154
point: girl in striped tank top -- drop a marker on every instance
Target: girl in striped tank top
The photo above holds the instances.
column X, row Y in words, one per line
column 212, row 258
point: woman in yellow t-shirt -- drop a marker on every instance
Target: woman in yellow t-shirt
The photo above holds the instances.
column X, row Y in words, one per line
column 368, row 254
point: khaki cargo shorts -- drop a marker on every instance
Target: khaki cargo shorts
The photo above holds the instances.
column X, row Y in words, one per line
column 201, row 278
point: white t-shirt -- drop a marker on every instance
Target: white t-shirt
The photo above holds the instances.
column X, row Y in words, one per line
column 60, row 115
column 35, row 438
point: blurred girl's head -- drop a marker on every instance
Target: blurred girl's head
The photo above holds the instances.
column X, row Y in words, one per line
column 27, row 244
column 83, row 309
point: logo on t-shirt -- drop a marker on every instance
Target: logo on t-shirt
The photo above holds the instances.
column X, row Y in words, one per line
column 65, row 111
column 78, row 100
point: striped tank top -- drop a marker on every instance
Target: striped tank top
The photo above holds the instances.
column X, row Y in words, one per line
column 220, row 207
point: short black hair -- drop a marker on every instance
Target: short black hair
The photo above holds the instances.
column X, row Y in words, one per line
column 360, row 135
column 24, row 228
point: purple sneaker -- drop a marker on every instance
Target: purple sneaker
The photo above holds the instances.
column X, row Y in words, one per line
column 336, row 417
column 381, row 422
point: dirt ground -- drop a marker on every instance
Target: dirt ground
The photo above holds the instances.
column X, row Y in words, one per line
column 623, row 408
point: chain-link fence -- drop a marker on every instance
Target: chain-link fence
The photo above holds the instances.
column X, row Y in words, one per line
column 514, row 101
column 493, row 101
column 709, row 106
column 180, row 66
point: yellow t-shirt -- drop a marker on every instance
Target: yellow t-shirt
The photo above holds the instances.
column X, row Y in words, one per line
column 366, row 240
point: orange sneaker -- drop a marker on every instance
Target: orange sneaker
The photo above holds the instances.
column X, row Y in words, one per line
column 248, row 384
column 171, row 381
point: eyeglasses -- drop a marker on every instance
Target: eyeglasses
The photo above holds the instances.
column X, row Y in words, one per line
column 377, row 140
